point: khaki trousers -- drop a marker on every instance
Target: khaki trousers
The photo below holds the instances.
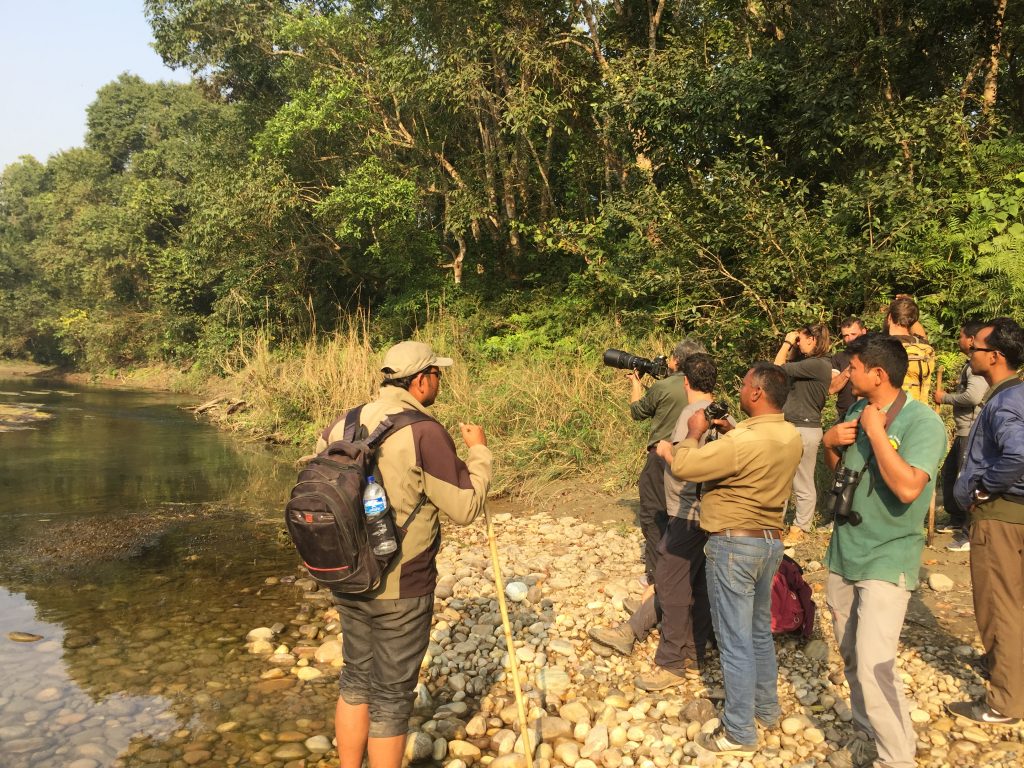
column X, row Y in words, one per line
column 867, row 617
column 997, row 572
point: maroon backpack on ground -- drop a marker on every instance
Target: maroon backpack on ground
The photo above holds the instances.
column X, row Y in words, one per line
column 792, row 607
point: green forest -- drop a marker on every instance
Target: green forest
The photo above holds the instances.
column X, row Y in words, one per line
column 552, row 174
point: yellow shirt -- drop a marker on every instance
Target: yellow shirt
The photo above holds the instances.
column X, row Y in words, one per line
column 747, row 473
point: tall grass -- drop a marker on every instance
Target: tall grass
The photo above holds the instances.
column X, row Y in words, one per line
column 548, row 413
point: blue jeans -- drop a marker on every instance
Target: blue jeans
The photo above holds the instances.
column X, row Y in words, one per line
column 739, row 573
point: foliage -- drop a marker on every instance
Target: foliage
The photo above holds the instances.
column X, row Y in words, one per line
column 538, row 167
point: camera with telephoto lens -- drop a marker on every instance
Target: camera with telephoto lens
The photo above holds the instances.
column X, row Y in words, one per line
column 656, row 368
column 843, row 486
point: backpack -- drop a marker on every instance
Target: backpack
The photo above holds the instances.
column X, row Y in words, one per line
column 792, row 608
column 921, row 357
column 324, row 514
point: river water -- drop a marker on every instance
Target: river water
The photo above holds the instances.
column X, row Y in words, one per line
column 141, row 546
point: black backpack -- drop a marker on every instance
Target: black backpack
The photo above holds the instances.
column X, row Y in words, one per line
column 325, row 516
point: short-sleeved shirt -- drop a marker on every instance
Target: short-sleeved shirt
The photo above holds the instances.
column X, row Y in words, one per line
column 844, row 397
column 662, row 403
column 810, row 379
column 681, row 495
column 889, row 541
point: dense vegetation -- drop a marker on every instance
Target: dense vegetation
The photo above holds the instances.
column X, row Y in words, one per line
column 552, row 173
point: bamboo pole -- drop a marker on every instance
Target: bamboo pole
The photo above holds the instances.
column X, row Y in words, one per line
column 513, row 666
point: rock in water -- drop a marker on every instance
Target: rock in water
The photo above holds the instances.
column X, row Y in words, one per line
column 23, row 637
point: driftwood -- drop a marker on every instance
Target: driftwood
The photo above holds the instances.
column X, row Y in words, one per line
column 208, row 405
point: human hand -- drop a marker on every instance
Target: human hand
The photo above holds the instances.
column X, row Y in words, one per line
column 664, row 450
column 872, row 419
column 937, row 395
column 841, row 435
column 792, row 337
column 723, row 425
column 472, row 434
column 697, row 425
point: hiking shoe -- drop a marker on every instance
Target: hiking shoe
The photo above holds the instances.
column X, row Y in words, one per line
column 858, row 752
column 631, row 604
column 620, row 638
column 980, row 712
column 718, row 741
column 959, row 544
column 660, row 678
column 768, row 725
column 794, row 537
column 946, row 528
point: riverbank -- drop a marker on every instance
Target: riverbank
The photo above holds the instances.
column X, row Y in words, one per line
column 584, row 707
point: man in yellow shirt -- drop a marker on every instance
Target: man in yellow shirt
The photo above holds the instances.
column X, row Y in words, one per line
column 747, row 478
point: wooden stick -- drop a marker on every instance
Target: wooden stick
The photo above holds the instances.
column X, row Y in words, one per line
column 513, row 666
column 931, row 505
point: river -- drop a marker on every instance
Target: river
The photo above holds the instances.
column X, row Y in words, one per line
column 141, row 547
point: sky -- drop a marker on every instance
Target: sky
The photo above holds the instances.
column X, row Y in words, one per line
column 54, row 56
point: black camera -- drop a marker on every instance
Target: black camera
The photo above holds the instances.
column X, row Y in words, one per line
column 656, row 368
column 715, row 411
column 843, row 486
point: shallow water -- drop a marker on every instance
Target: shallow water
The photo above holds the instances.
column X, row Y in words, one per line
column 136, row 543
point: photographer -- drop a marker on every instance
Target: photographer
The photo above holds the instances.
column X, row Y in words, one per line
column 662, row 403
column 894, row 444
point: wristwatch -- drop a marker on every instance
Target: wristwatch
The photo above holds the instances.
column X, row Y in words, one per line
column 980, row 494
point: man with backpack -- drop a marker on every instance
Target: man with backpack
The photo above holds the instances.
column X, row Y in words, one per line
column 385, row 632
column 903, row 323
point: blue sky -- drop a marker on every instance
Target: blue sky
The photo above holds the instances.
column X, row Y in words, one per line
column 54, row 55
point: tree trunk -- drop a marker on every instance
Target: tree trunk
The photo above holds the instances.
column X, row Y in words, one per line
column 988, row 99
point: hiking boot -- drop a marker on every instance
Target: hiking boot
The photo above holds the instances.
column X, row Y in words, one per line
column 960, row 543
column 631, row 604
column 795, row 536
column 859, row 752
column 718, row 741
column 660, row 678
column 946, row 528
column 768, row 725
column 980, row 712
column 620, row 638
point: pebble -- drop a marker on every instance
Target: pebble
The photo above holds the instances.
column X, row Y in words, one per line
column 262, row 695
column 940, row 582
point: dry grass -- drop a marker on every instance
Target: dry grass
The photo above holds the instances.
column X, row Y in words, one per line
column 547, row 415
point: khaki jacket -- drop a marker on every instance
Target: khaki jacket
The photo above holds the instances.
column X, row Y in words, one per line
column 747, row 473
column 420, row 461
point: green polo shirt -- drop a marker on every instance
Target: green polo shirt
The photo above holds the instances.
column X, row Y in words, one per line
column 889, row 541
column 662, row 403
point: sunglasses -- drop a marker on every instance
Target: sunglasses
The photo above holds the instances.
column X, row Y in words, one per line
column 984, row 349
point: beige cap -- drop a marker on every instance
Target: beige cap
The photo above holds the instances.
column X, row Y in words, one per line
column 409, row 357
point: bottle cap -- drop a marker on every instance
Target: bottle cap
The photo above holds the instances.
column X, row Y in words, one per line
column 371, row 479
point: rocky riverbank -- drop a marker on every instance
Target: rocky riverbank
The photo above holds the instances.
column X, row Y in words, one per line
column 584, row 709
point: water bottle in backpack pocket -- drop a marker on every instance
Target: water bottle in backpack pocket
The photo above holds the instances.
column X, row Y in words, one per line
column 343, row 547
column 379, row 523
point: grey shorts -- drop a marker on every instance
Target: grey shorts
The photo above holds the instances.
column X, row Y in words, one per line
column 383, row 643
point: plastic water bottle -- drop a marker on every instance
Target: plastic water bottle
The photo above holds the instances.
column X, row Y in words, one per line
column 375, row 503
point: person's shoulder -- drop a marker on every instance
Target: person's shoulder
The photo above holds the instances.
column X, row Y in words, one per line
column 918, row 413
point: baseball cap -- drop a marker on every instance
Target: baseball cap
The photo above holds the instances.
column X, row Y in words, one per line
column 409, row 357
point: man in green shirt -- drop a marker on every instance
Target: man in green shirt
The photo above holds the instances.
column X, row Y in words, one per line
column 895, row 443
column 662, row 403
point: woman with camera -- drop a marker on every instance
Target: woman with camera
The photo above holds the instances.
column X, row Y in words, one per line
column 804, row 356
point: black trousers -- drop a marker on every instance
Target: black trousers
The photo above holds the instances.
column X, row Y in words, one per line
column 682, row 595
column 652, row 516
column 950, row 469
